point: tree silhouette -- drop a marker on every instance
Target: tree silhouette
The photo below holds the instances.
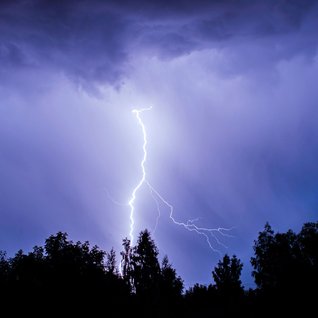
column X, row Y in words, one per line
column 60, row 271
column 74, row 265
column 201, row 300
column 308, row 245
column 227, row 276
column 63, row 275
column 145, row 266
column 307, row 241
column 170, row 288
column 171, row 285
column 111, row 266
column 277, row 260
column 285, row 267
column 126, row 263
column 4, row 271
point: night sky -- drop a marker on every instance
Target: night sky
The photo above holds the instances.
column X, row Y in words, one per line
column 232, row 133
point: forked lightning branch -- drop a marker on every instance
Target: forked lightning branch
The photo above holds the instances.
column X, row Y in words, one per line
column 209, row 234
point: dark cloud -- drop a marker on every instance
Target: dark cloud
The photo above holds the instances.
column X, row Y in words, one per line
column 86, row 44
column 92, row 41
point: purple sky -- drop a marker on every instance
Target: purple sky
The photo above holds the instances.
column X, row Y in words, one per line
column 233, row 134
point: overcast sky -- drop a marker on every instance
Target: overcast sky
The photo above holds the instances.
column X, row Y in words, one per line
column 232, row 133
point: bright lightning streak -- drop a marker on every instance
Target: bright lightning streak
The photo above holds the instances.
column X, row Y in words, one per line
column 131, row 202
column 190, row 225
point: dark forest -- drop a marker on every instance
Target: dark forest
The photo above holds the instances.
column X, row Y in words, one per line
column 67, row 277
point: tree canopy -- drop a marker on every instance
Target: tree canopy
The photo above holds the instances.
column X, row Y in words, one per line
column 75, row 275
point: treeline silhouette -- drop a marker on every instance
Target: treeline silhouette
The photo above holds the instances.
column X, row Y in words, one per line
column 66, row 277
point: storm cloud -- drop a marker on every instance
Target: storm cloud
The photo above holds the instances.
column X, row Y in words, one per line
column 93, row 42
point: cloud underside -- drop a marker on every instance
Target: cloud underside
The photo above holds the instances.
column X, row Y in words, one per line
column 94, row 42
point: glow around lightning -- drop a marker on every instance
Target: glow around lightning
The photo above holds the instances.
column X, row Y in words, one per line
column 207, row 233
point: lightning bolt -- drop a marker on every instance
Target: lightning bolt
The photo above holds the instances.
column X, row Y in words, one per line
column 207, row 233
column 132, row 200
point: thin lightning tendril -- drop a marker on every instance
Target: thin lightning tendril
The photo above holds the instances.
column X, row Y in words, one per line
column 207, row 233
column 158, row 209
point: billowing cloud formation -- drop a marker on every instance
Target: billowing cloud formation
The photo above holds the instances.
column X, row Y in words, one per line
column 94, row 41
column 232, row 134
